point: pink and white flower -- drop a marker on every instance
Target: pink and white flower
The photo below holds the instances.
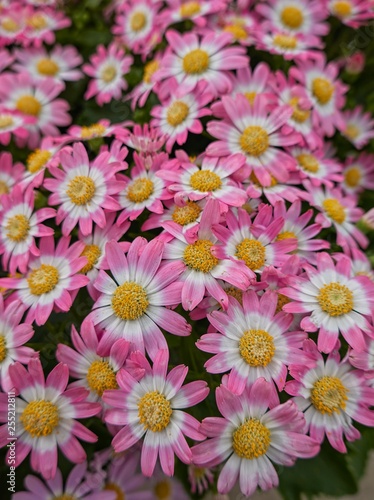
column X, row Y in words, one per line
column 10, row 173
column 359, row 127
column 358, row 173
column 316, row 166
column 354, row 13
column 41, row 25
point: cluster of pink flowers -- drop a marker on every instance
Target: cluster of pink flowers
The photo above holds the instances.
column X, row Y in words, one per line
column 231, row 205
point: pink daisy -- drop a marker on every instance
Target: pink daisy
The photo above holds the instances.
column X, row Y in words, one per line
column 291, row 46
column 255, row 131
column 334, row 300
column 45, row 417
column 151, row 407
column 200, row 478
column 10, row 173
column 140, row 93
column 51, row 280
column 359, row 127
column 191, row 60
column 144, row 139
column 102, row 128
column 107, row 69
column 41, row 25
column 253, row 341
column 364, row 360
column 195, row 10
column 19, row 225
column 83, row 189
column 13, row 24
column 358, row 173
column 14, row 335
column 13, row 122
column 331, row 395
column 250, row 83
column 251, row 438
column 354, row 13
column 316, row 166
column 132, row 303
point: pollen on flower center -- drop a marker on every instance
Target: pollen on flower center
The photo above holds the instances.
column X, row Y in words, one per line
column 138, row 21
column 40, row 418
column 5, row 121
column 4, row 189
column 129, row 301
column 47, row 67
column 198, row 256
column 28, row 105
column 43, row 280
column 254, row 140
column 154, row 411
column 282, row 300
column 334, row 209
column 101, row 376
column 186, row 214
column 196, row 62
column 95, row 130
column 237, row 31
column 252, row 252
column 352, row 131
column 322, row 90
column 232, row 291
column 17, row 228
column 140, row 190
column 117, row 489
column 3, row 349
column 342, row 9
column 188, row 9
column 329, row 395
column 352, row 177
column 37, row 160
column 162, row 490
column 286, row 235
column 256, row 347
column 250, row 96
column 81, row 190
column 92, row 254
column 205, row 181
column 149, row 69
column 285, row 41
column 177, row 113
column 251, row 439
column 292, row 17
column 308, row 162
column 335, row 299
column 109, row 73
column 37, row 21
column 10, row 25
column 299, row 115
column 65, row 496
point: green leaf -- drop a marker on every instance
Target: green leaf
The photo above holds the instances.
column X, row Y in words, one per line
column 358, row 452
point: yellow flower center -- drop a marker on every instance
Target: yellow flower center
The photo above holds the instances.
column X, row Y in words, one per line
column 186, row 214
column 117, row 489
column 252, row 252
column 250, row 96
column 129, row 301
column 253, row 178
column 236, row 293
column 286, row 235
column 329, row 395
column 17, row 228
column 177, row 113
column 108, row 74
column 251, row 439
column 162, row 490
column 154, row 411
column 95, row 130
column 65, row 496
column 43, row 280
column 189, row 9
column 37, row 160
column 254, row 140
column 205, row 181
column 5, row 121
column 81, row 190
column 292, row 17
column 40, row 418
column 322, row 90
column 342, row 9
column 334, row 210
column 285, row 41
column 140, row 190
column 352, row 176
column 308, row 162
column 47, row 67
column 3, row 349
column 256, row 347
column 282, row 300
column 37, row 21
column 138, row 21
column 198, row 256
column 4, row 189
column 299, row 115
column 196, row 62
column 10, row 25
column 101, row 376
column 351, row 131
column 92, row 254
column 28, row 105
column 149, row 69
column 238, row 32
column 335, row 299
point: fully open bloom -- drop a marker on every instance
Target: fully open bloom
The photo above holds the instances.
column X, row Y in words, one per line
column 359, row 127
column 252, row 438
column 45, row 417
column 358, row 173
column 151, row 407
column 353, row 13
